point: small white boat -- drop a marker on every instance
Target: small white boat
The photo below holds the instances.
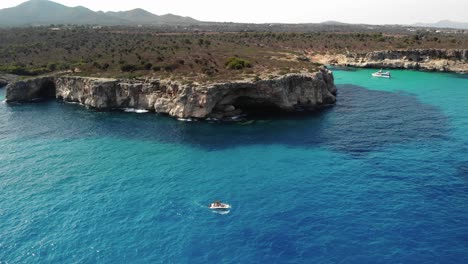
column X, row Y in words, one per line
column 381, row 74
column 219, row 206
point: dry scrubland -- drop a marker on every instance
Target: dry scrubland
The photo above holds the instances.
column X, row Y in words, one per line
column 192, row 55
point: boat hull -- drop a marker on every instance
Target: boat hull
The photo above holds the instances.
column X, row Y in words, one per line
column 222, row 207
column 381, row 76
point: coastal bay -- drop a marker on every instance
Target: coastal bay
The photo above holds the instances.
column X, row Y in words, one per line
column 307, row 132
column 380, row 177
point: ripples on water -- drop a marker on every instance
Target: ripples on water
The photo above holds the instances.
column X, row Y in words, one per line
column 379, row 178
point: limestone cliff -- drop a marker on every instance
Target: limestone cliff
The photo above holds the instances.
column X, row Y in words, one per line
column 221, row 100
column 31, row 90
column 5, row 79
column 421, row 59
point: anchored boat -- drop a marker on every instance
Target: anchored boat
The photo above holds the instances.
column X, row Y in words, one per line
column 381, row 74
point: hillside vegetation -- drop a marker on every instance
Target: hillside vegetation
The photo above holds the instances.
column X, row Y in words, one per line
column 139, row 51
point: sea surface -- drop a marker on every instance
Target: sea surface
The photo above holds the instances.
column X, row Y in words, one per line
column 382, row 177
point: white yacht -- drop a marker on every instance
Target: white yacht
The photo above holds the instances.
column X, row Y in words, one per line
column 381, row 74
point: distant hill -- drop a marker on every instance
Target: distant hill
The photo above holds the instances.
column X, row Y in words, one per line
column 135, row 15
column 141, row 16
column 334, row 23
column 445, row 24
column 44, row 12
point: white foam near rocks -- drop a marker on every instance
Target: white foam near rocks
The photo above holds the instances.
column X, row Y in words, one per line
column 74, row 103
column 186, row 119
column 133, row 110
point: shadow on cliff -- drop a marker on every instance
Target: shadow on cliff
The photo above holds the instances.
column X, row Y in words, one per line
column 362, row 121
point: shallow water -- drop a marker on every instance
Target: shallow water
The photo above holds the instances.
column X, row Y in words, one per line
column 380, row 178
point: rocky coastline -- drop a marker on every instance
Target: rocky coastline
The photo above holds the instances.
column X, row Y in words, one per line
column 5, row 79
column 441, row 60
column 288, row 93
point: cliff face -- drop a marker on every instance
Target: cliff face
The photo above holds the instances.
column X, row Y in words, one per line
column 222, row 100
column 5, row 79
column 430, row 59
column 30, row 90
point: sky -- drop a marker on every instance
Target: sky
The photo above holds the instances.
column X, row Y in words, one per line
column 289, row 11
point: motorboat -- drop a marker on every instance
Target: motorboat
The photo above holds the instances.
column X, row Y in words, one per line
column 217, row 205
column 381, row 74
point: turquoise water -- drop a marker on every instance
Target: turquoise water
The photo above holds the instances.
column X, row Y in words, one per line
column 380, row 178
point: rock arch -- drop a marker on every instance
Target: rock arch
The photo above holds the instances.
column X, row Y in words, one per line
column 47, row 89
column 41, row 88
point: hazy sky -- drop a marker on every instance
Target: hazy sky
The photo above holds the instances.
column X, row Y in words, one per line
column 290, row 11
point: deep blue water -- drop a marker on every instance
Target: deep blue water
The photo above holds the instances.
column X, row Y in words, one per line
column 380, row 178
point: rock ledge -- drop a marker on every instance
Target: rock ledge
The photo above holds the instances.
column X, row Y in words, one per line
column 221, row 100
column 419, row 59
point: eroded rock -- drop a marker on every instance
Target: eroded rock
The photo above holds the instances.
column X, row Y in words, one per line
column 420, row 59
column 286, row 93
column 30, row 90
column 5, row 79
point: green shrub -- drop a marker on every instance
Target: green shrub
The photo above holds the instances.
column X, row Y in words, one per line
column 52, row 66
column 24, row 71
column 210, row 71
column 63, row 66
column 129, row 68
column 148, row 66
column 105, row 66
column 235, row 63
column 170, row 67
column 38, row 71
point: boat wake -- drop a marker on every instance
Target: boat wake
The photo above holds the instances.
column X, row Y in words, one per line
column 221, row 212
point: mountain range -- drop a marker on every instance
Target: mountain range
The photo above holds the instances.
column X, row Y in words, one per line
column 44, row 12
column 444, row 24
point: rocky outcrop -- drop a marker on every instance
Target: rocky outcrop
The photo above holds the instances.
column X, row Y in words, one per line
column 220, row 100
column 421, row 59
column 31, row 89
column 5, row 79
